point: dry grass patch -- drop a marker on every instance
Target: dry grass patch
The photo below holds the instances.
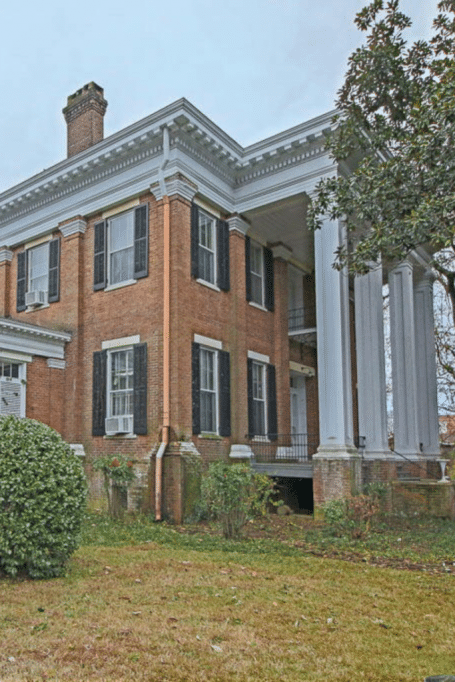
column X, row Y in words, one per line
column 153, row 612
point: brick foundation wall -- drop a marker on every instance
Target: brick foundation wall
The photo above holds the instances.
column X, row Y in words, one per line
column 335, row 478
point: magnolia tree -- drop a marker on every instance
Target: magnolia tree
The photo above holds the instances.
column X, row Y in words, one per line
column 396, row 129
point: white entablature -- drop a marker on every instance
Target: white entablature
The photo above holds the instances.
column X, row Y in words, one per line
column 128, row 162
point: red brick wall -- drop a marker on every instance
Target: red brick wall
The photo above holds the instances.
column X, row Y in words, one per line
column 96, row 316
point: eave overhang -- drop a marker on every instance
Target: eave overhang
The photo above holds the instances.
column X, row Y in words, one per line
column 127, row 163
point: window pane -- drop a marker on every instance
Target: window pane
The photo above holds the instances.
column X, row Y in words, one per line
column 121, row 248
column 257, row 274
column 121, row 383
column 259, row 399
column 206, row 248
column 38, row 268
column 208, row 391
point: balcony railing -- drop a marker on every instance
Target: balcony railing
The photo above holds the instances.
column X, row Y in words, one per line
column 302, row 325
column 287, row 448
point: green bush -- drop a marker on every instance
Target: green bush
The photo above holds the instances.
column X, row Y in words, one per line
column 354, row 516
column 42, row 499
column 233, row 493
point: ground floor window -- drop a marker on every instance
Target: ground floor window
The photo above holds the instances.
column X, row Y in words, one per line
column 211, row 389
column 12, row 388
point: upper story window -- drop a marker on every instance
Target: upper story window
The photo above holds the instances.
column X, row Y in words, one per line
column 38, row 275
column 209, row 249
column 259, row 274
column 121, row 248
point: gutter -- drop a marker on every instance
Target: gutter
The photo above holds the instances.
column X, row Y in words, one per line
column 165, row 431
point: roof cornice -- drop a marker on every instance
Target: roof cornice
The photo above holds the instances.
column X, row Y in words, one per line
column 127, row 162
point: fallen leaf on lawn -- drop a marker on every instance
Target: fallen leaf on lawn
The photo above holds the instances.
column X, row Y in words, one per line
column 216, row 648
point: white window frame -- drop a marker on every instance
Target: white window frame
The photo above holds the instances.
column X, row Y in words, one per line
column 20, row 381
column 109, row 388
column 214, row 391
column 262, row 367
column 30, row 251
column 129, row 214
column 212, row 222
column 255, row 247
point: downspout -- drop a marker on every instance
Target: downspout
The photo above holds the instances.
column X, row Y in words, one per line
column 166, row 331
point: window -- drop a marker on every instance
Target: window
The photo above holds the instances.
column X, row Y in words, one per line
column 259, row 403
column 259, row 274
column 209, row 248
column 38, row 275
column 262, row 408
column 120, row 390
column 12, row 388
column 211, row 390
column 120, row 386
column 121, row 248
column 208, row 382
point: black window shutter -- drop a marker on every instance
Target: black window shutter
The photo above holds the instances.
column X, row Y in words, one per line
column 250, row 399
column 223, row 254
column 21, row 280
column 248, row 267
column 99, row 269
column 196, row 388
column 224, row 378
column 269, row 287
column 99, row 393
column 140, row 388
column 141, row 241
column 272, row 417
column 194, row 240
column 54, row 271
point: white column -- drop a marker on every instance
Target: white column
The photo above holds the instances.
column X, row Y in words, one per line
column 371, row 381
column 427, row 391
column 333, row 344
column 404, row 374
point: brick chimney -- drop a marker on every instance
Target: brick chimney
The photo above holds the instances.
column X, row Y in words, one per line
column 84, row 115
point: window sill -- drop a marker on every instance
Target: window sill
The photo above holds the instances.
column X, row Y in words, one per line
column 120, row 285
column 210, row 436
column 261, row 439
column 121, row 436
column 259, row 307
column 34, row 308
column 209, row 285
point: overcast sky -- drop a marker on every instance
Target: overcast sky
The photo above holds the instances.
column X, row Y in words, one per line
column 255, row 67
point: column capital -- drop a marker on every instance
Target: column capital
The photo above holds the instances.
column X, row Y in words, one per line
column 6, row 255
column 238, row 224
column 78, row 225
column 176, row 184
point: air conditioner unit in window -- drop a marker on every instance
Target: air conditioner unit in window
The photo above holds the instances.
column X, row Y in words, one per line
column 115, row 425
column 35, row 298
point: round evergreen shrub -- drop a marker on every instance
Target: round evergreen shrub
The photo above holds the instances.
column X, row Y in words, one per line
column 42, row 499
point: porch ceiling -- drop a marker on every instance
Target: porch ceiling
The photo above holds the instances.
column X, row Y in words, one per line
column 285, row 221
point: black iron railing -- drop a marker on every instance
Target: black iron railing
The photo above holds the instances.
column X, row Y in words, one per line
column 284, row 448
column 301, row 319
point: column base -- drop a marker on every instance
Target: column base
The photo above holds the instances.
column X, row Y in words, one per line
column 336, row 474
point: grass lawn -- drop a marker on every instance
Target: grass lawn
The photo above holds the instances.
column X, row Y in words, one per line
column 143, row 601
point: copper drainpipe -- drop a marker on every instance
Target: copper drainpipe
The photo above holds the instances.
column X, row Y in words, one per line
column 165, row 432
